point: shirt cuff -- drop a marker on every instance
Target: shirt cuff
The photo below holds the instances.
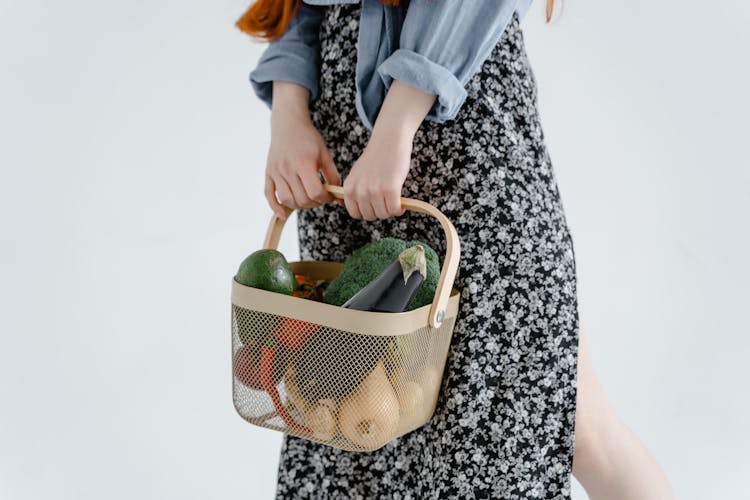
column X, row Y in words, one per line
column 416, row 70
column 286, row 65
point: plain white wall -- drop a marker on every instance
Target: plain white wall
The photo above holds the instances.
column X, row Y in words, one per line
column 132, row 152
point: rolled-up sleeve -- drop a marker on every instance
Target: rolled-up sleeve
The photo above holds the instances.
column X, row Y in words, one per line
column 294, row 57
column 442, row 45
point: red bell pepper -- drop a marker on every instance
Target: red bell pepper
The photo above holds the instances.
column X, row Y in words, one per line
column 293, row 333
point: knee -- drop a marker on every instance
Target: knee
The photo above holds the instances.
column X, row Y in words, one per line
column 596, row 424
column 592, row 436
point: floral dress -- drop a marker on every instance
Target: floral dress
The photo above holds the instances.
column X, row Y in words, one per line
column 503, row 427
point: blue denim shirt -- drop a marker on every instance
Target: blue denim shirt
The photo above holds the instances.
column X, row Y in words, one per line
column 434, row 45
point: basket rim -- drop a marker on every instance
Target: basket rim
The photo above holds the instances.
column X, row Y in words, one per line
column 340, row 318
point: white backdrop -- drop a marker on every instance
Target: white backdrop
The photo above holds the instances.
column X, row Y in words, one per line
column 132, row 152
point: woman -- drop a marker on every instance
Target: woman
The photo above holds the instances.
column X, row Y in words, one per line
column 435, row 100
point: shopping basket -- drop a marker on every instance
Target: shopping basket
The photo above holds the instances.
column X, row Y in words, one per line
column 369, row 377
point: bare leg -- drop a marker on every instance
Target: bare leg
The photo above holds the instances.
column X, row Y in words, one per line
column 610, row 462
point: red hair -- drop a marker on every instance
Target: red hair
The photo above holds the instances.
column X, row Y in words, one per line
column 268, row 19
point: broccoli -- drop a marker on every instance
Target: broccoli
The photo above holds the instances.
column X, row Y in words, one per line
column 365, row 263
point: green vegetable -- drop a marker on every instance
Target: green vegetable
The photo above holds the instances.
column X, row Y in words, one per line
column 394, row 288
column 269, row 270
column 368, row 261
column 266, row 269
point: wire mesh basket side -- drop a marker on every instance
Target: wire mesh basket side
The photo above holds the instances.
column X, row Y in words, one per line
column 348, row 390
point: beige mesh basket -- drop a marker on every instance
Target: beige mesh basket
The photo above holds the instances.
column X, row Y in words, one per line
column 351, row 379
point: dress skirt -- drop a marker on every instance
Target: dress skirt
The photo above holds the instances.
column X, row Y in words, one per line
column 505, row 417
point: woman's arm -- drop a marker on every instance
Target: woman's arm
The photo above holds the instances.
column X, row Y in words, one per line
column 286, row 80
column 296, row 154
column 293, row 57
column 372, row 190
column 441, row 46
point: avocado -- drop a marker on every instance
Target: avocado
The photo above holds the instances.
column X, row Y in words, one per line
column 269, row 270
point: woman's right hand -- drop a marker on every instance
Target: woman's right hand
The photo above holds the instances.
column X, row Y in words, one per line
column 297, row 153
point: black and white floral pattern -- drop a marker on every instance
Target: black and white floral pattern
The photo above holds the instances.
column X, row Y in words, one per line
column 505, row 418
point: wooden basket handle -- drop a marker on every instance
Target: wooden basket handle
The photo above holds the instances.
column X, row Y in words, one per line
column 452, row 249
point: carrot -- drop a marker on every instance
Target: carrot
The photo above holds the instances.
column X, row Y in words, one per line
column 267, row 357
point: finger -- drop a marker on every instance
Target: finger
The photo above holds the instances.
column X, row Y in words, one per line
column 286, row 197
column 330, row 172
column 368, row 213
column 351, row 204
column 298, row 190
column 328, row 167
column 393, row 204
column 340, row 201
column 365, row 207
column 353, row 208
column 314, row 187
column 270, row 191
column 379, row 207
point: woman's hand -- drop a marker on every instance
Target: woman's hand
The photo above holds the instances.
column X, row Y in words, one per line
column 297, row 153
column 372, row 190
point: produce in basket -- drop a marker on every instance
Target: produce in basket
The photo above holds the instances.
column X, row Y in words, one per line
column 269, row 270
column 268, row 356
column 386, row 293
column 415, row 390
column 411, row 347
column 250, row 335
column 319, row 417
column 292, row 391
column 246, row 367
column 293, row 333
column 411, row 401
column 310, row 288
column 333, row 364
column 368, row 261
column 430, row 378
column 370, row 416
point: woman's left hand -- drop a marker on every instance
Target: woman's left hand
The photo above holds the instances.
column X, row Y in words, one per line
column 372, row 190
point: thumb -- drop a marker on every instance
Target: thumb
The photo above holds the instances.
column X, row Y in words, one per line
column 329, row 170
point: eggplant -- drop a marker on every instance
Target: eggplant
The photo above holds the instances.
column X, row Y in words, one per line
column 334, row 364
column 388, row 292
